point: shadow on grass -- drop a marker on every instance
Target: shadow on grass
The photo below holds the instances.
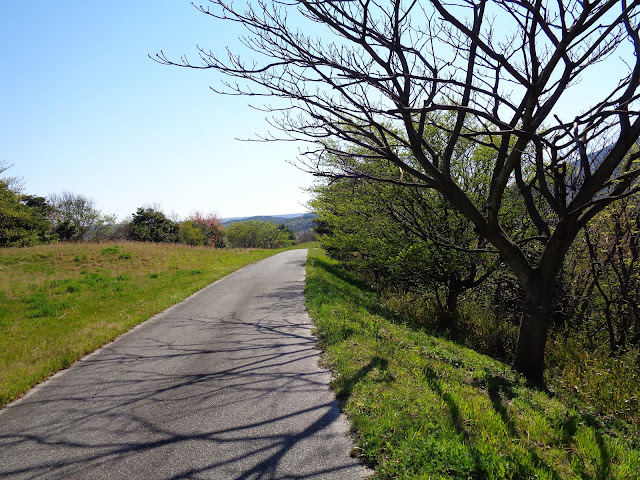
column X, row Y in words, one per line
column 501, row 390
column 604, row 469
column 372, row 306
column 496, row 387
column 454, row 409
column 346, row 384
column 340, row 273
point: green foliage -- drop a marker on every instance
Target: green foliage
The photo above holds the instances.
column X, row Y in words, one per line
column 23, row 218
column 408, row 239
column 151, row 225
column 191, row 234
column 423, row 407
column 259, row 234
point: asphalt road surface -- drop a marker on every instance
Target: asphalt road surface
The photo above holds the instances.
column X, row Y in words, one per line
column 224, row 385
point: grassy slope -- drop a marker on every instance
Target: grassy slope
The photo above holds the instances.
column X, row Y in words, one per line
column 60, row 302
column 423, row 407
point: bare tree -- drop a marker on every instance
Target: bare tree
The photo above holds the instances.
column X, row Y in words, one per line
column 375, row 75
column 76, row 218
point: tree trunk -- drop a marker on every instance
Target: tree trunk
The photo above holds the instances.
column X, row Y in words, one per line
column 454, row 289
column 534, row 327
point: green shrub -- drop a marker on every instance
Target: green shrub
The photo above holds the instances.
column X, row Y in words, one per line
column 259, row 234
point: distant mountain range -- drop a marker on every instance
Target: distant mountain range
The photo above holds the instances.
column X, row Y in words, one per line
column 268, row 218
column 298, row 222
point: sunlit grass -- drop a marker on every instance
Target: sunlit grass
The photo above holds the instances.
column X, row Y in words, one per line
column 60, row 302
column 424, row 407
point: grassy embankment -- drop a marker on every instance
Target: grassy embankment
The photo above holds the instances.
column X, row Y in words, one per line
column 60, row 302
column 424, row 407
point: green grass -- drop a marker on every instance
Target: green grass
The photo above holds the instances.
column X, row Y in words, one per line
column 60, row 302
column 424, row 407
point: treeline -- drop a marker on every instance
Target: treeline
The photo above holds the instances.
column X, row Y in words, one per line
column 430, row 264
column 27, row 220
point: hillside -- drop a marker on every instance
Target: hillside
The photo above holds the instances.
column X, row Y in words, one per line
column 299, row 223
column 422, row 406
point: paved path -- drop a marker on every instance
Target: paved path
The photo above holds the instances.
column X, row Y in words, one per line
column 224, row 385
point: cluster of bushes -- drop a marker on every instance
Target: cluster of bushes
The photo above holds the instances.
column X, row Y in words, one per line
column 151, row 225
column 260, row 234
column 27, row 220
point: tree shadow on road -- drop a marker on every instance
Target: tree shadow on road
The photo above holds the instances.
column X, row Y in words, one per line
column 247, row 401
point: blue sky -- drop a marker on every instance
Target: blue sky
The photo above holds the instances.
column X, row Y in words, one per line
column 83, row 109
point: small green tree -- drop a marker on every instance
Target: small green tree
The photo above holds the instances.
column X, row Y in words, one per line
column 191, row 234
column 288, row 232
column 22, row 221
column 151, row 225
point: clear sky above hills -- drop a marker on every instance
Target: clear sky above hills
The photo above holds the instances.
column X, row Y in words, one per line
column 83, row 109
